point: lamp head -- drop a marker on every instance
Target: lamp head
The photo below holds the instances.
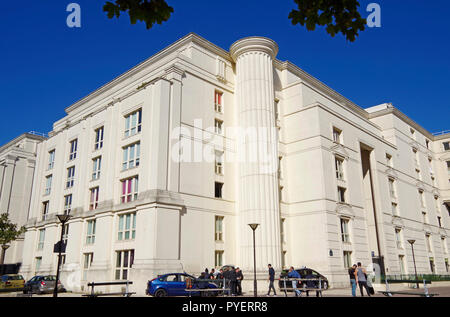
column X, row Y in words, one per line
column 63, row 218
column 254, row 226
column 411, row 241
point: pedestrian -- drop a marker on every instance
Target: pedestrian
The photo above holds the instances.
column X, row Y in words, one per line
column 294, row 274
column 271, row 280
column 220, row 275
column 353, row 279
column 362, row 279
column 233, row 281
column 240, row 277
column 312, row 283
column 212, row 274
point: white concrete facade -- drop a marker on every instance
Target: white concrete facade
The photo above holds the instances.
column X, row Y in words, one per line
column 175, row 207
column 17, row 164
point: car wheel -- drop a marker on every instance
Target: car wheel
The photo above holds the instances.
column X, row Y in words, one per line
column 160, row 293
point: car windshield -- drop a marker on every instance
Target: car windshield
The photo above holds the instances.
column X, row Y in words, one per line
column 50, row 278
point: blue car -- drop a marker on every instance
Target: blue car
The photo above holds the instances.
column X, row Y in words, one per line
column 174, row 284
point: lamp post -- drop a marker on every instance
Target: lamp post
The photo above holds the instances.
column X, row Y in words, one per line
column 414, row 260
column 254, row 226
column 63, row 219
column 4, row 248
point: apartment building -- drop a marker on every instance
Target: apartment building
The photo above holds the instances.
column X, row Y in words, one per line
column 158, row 177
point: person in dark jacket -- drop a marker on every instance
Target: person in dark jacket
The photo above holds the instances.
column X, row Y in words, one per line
column 239, row 277
column 233, row 282
column 312, row 284
column 271, row 280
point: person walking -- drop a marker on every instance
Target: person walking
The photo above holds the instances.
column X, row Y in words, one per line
column 362, row 279
column 353, row 279
column 240, row 277
column 271, row 280
column 294, row 274
column 233, row 281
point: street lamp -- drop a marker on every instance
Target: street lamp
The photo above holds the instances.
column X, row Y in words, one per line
column 254, row 226
column 4, row 248
column 63, row 219
column 414, row 260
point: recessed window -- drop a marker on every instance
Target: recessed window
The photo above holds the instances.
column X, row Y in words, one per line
column 133, row 123
column 48, row 184
column 398, row 238
column 446, row 146
column 99, row 138
column 38, row 261
column 70, row 177
column 90, row 232
column 389, row 160
column 282, row 230
column 218, row 189
column 96, row 167
column 347, row 259
column 345, row 234
column 341, row 194
column 422, row 198
column 428, row 242
column 218, row 261
column 394, row 207
column 392, row 188
column 218, row 126
column 45, row 207
column 219, row 163
column 337, row 135
column 41, row 239
column 129, row 189
column 93, row 203
column 124, row 262
column 87, row 262
column 339, row 164
column 127, row 227
column 67, row 204
column 219, row 228
column 218, row 101
column 73, row 149
column 51, row 159
column 131, row 156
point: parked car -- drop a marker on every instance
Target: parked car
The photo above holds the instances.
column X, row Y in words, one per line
column 40, row 284
column 11, row 283
column 304, row 272
column 174, row 284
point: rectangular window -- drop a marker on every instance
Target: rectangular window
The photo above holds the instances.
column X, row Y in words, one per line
column 392, row 188
column 398, row 238
column 45, row 206
column 96, row 167
column 129, row 189
column 41, row 239
column 65, row 233
column 38, row 262
column 218, row 261
column 432, row 266
column 219, row 228
column 218, row 124
column 218, row 189
column 422, row 198
column 415, row 157
column 219, row 163
column 447, row 267
column 280, row 169
column 90, row 232
column 446, row 146
column 337, row 135
column 93, row 203
column 345, row 235
column 127, row 227
column 428, row 242
column 51, row 159
column 124, row 262
column 388, row 160
column 67, row 204
column 339, row 164
column 282, row 230
column 341, row 194
column 347, row 259
column 98, row 138
column 131, row 156
column 401, row 262
column 418, row 175
column 73, row 149
column 394, row 209
column 133, row 123
column 70, row 177
column 218, row 106
column 48, row 184
column 439, row 219
column 444, row 245
column 448, row 167
column 87, row 262
column 424, row 217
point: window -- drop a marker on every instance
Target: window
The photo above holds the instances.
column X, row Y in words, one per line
column 280, row 169
column 129, row 189
column 448, row 167
column 394, row 209
column 283, row 259
column 48, row 184
column 218, row 96
column 337, row 135
column 347, row 259
column 424, row 217
column 93, row 204
column 51, row 159
column 345, row 235
column 133, row 123
column 218, row 189
column 422, row 198
column 447, row 268
column 392, row 188
column 428, row 242
column 90, row 233
column 341, row 194
column 38, row 262
column 427, row 142
column 127, row 227
column 98, row 138
column 131, row 156
column 437, row 205
column 87, row 262
column 67, row 204
column 70, row 177
column 415, row 157
column 418, row 176
column 444, row 245
column 446, row 146
column 432, row 266
column 65, row 233
column 45, row 206
column 282, row 230
column 389, row 160
column 219, row 228
column 413, row 133
column 219, row 163
column 277, row 110
column 430, row 163
column 73, row 149
column 439, row 219
column 280, row 193
column 96, row 167
column 398, row 238
column 41, row 239
column 339, row 168
column 218, row 126
column 218, row 261
column 401, row 262
column 124, row 262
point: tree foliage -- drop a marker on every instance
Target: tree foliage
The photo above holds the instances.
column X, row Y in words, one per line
column 8, row 230
column 339, row 16
column 149, row 11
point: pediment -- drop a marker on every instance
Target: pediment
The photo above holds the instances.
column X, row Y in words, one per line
column 345, row 210
column 340, row 150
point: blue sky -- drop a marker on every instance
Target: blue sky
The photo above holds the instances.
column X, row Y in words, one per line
column 46, row 66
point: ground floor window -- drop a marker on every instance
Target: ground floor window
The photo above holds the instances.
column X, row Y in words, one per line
column 401, row 262
column 432, row 266
column 218, row 259
column 124, row 262
column 87, row 261
column 347, row 259
column 446, row 265
column 38, row 262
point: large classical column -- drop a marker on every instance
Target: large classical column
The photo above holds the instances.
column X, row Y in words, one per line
column 257, row 197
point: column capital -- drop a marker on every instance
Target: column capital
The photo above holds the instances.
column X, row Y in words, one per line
column 253, row 44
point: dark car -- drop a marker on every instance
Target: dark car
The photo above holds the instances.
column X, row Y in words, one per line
column 40, row 284
column 304, row 273
column 175, row 284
